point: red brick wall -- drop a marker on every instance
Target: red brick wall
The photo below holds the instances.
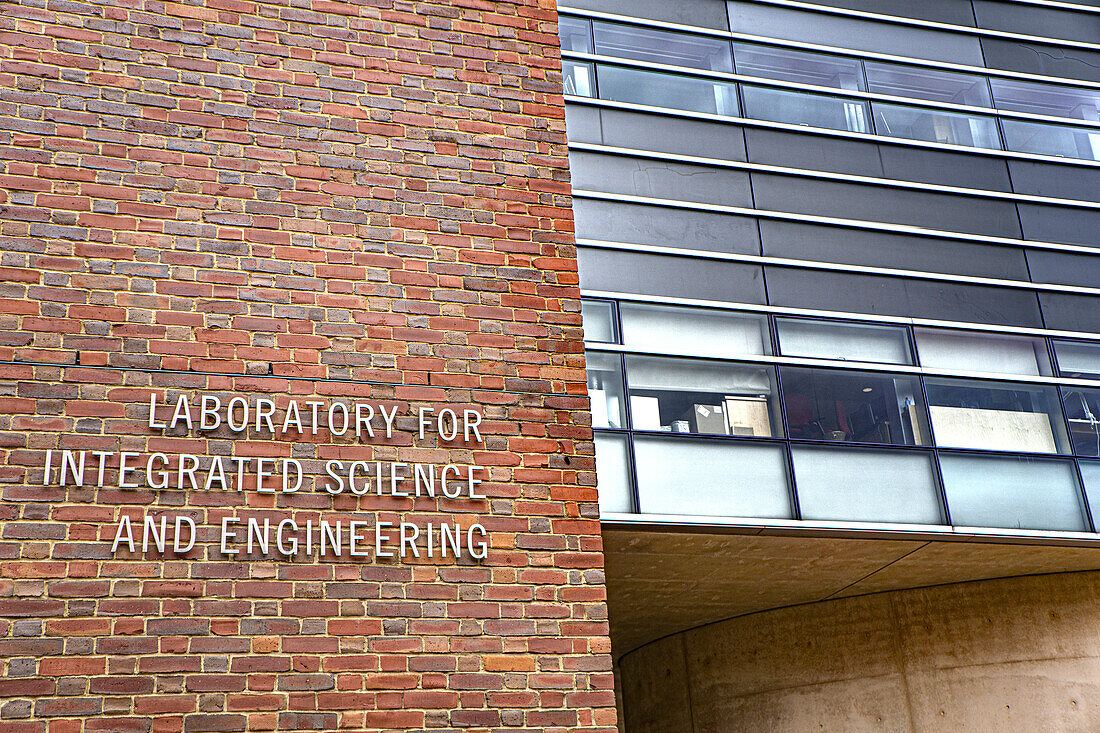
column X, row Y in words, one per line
column 311, row 200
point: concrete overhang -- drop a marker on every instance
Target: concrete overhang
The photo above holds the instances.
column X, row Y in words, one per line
column 665, row 575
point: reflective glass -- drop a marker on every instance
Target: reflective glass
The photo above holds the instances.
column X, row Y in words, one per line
column 862, row 485
column 921, row 83
column 1056, row 140
column 598, row 319
column 695, row 396
column 938, row 126
column 1047, row 99
column 1083, row 411
column 1012, row 492
column 577, row 78
column 970, row 351
column 613, row 473
column 996, row 416
column 711, row 478
column 862, row 407
column 1090, row 473
column 802, row 67
column 802, row 108
column 575, row 34
column 667, row 90
column 662, row 47
column 843, row 341
column 694, row 331
column 605, row 389
column 1077, row 358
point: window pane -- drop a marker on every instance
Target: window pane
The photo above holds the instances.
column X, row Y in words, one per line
column 1077, row 358
column 863, row 407
column 866, row 485
column 694, row 331
column 598, row 319
column 605, row 389
column 711, row 478
column 1083, row 411
column 612, row 473
column 937, row 126
column 993, row 416
column 662, row 47
column 667, row 90
column 922, row 83
column 1090, row 472
column 1012, row 492
column 691, row 396
column 978, row 352
column 1057, row 140
column 577, row 78
column 1047, row 99
column 802, row 108
column 845, row 341
column 575, row 34
column 798, row 66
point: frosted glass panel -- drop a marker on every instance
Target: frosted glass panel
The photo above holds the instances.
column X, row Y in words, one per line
column 612, row 474
column 845, row 341
column 975, row 352
column 1090, row 472
column 719, row 478
column 598, row 319
column 1012, row 492
column 866, row 486
column 694, row 331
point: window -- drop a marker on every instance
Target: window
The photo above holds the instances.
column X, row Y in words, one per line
column 1083, row 411
column 662, row 47
column 1078, row 358
column 577, row 79
column 1090, row 473
column 802, row 108
column 844, row 341
column 937, row 126
column 667, row 90
column 703, row 397
column 969, row 351
column 598, row 320
column 858, row 407
column 1047, row 99
column 694, row 331
column 575, row 34
column 605, row 389
column 784, row 64
column 711, row 478
column 613, row 473
column 1012, row 492
column 995, row 416
column 1056, row 140
column 922, row 83
column 862, row 485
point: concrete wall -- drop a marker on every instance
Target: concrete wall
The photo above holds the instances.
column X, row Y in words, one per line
column 1001, row 655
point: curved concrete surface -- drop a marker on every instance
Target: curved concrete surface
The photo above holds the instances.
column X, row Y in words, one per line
column 1015, row 654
